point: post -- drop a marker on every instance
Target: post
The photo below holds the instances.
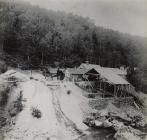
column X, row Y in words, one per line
column 31, row 72
column 100, row 85
column 114, row 90
column 45, row 73
column 28, row 61
column 104, row 90
column 42, row 58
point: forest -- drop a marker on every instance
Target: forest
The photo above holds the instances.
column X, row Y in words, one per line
column 33, row 37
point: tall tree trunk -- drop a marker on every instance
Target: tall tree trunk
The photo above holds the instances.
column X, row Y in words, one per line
column 42, row 55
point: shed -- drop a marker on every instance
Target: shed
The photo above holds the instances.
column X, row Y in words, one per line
column 52, row 73
column 108, row 76
column 108, row 80
column 76, row 74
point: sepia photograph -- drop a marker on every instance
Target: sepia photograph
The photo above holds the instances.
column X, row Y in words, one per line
column 73, row 69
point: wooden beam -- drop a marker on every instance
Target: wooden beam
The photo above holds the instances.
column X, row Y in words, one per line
column 91, row 74
column 115, row 90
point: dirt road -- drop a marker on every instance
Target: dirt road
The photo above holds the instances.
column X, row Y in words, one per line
column 53, row 124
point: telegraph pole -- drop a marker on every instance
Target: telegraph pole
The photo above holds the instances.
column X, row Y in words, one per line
column 100, row 53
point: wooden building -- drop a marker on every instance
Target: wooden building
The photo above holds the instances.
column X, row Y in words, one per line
column 119, row 71
column 108, row 80
column 74, row 74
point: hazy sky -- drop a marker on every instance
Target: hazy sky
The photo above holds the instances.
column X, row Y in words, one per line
column 128, row 16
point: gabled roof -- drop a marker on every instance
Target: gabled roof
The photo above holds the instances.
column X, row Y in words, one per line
column 115, row 70
column 77, row 71
column 107, row 74
column 88, row 66
column 54, row 70
column 112, row 77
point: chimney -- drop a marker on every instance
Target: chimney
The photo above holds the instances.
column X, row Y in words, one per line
column 87, row 62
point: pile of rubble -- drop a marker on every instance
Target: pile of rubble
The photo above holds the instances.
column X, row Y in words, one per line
column 126, row 124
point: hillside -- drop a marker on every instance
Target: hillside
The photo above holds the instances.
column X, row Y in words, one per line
column 32, row 37
column 38, row 109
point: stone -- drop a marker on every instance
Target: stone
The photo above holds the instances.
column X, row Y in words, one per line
column 98, row 123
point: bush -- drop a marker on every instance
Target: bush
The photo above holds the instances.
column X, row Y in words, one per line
column 68, row 92
column 36, row 113
column 3, row 67
column 91, row 95
column 16, row 106
column 15, row 84
column 4, row 96
column 31, row 78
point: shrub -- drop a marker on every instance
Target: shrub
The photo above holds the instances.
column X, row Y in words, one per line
column 4, row 96
column 3, row 67
column 68, row 92
column 15, row 84
column 36, row 113
column 3, row 121
column 16, row 106
column 31, row 78
column 91, row 95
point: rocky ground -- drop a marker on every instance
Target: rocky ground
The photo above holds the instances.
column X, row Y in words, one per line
column 128, row 122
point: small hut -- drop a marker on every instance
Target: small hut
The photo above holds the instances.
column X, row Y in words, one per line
column 75, row 74
column 55, row 73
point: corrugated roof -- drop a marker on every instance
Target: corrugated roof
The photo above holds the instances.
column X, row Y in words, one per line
column 109, row 74
column 77, row 71
column 54, row 70
column 88, row 66
column 111, row 77
column 115, row 70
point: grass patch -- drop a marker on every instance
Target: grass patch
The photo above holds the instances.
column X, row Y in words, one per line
column 36, row 113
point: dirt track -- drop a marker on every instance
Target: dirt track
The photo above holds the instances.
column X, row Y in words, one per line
column 53, row 123
column 62, row 118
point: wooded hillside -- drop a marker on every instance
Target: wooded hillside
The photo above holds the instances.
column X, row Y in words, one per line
column 31, row 37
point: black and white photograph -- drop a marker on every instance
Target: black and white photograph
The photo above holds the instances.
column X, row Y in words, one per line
column 73, row 69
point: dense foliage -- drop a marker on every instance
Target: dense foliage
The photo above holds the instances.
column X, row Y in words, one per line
column 34, row 37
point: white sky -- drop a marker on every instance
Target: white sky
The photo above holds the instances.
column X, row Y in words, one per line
column 128, row 16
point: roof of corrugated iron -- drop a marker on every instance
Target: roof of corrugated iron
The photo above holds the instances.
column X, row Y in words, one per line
column 107, row 73
column 115, row 70
column 77, row 71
